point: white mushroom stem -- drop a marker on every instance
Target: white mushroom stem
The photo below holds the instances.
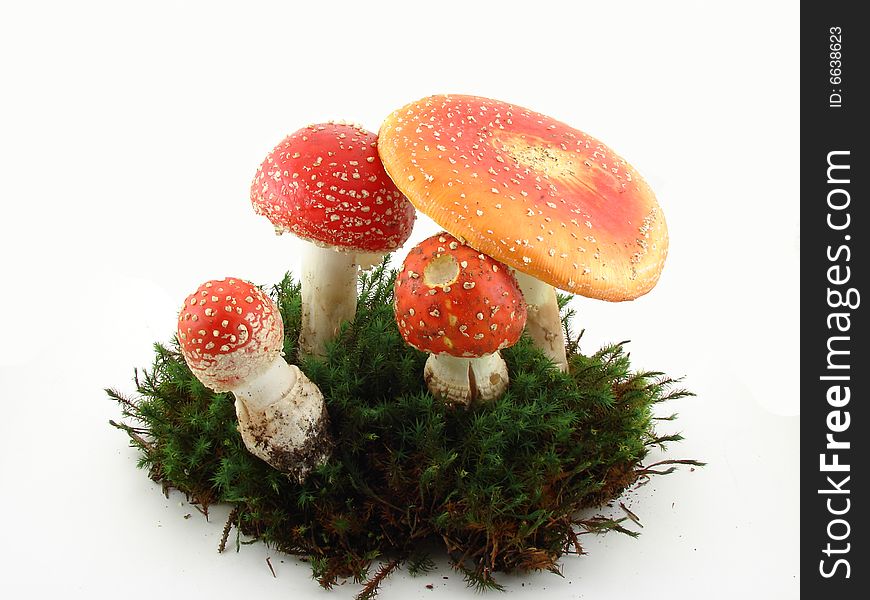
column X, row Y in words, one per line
column 328, row 296
column 466, row 380
column 369, row 260
column 544, row 324
column 283, row 419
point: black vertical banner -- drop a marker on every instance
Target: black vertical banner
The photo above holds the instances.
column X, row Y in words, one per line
column 835, row 342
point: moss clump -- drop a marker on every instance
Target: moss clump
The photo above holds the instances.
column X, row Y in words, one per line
column 498, row 485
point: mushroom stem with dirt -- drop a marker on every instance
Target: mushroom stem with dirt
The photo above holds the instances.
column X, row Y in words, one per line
column 326, row 184
column 546, row 199
column 462, row 307
column 231, row 335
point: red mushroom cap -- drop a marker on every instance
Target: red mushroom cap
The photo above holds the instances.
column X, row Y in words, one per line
column 451, row 299
column 326, row 184
column 229, row 331
column 545, row 198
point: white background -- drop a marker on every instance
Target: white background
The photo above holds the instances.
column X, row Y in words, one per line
column 129, row 134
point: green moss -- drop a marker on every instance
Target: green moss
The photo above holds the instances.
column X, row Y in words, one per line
column 499, row 486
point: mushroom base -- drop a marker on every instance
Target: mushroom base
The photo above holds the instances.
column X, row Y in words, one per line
column 466, row 380
column 287, row 429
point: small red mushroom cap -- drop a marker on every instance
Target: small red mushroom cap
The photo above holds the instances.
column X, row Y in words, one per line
column 326, row 184
column 547, row 199
column 229, row 331
column 451, row 299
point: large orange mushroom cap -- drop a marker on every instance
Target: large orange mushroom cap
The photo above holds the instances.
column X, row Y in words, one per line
column 530, row 191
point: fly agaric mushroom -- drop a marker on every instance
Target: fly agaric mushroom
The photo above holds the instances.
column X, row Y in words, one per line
column 552, row 202
column 462, row 307
column 326, row 184
column 231, row 336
